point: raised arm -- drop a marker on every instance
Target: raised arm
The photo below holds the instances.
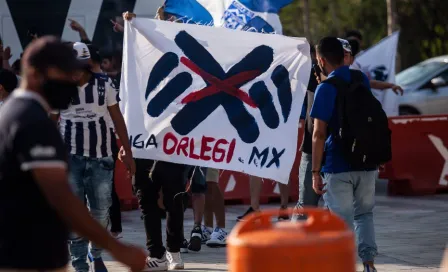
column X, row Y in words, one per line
column 82, row 32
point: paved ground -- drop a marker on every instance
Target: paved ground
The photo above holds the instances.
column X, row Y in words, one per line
column 411, row 235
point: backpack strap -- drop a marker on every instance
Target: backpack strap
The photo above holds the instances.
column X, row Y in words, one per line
column 342, row 88
column 338, row 83
column 356, row 76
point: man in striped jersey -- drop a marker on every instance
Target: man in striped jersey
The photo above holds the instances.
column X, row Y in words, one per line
column 87, row 135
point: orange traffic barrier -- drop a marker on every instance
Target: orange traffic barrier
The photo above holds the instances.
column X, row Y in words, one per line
column 235, row 186
column 322, row 242
column 419, row 163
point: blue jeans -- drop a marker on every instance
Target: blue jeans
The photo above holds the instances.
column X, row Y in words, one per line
column 307, row 196
column 91, row 180
column 351, row 195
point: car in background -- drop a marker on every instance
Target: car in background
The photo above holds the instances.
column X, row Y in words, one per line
column 425, row 87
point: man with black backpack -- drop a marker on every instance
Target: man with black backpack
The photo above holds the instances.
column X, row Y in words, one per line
column 351, row 139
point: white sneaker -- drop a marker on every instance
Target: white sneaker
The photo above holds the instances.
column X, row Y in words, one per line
column 174, row 261
column 206, row 233
column 218, row 238
column 154, row 264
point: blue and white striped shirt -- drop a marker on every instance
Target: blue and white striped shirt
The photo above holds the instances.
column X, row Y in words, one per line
column 86, row 126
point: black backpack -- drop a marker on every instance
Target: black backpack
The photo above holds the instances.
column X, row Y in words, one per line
column 364, row 132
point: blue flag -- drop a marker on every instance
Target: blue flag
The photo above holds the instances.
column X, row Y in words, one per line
column 248, row 15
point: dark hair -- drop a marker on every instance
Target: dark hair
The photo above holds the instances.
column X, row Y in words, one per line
column 16, row 66
column 312, row 49
column 354, row 33
column 354, row 44
column 8, row 80
column 109, row 56
column 94, row 53
column 118, row 59
column 49, row 51
column 330, row 48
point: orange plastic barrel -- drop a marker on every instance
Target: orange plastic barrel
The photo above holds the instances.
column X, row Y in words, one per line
column 322, row 242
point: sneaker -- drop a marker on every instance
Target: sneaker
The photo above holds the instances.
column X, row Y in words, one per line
column 155, row 264
column 283, row 216
column 368, row 268
column 184, row 246
column 195, row 239
column 249, row 211
column 97, row 264
column 117, row 235
column 205, row 234
column 218, row 238
column 174, row 261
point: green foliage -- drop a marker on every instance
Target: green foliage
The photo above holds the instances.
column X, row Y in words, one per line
column 423, row 24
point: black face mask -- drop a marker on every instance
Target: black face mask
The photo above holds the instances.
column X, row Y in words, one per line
column 59, row 93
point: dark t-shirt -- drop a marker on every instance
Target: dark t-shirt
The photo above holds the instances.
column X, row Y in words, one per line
column 32, row 235
column 306, row 146
column 116, row 80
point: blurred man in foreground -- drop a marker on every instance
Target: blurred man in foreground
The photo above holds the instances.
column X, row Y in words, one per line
column 33, row 170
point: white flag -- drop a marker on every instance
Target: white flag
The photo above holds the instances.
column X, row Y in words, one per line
column 379, row 62
column 214, row 97
column 249, row 15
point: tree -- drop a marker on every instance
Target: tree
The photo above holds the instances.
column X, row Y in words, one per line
column 391, row 16
column 306, row 19
column 422, row 23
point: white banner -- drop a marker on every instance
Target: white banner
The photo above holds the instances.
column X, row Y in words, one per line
column 214, row 97
column 379, row 62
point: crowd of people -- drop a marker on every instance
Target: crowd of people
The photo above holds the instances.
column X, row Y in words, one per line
column 55, row 188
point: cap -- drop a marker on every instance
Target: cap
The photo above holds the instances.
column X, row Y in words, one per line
column 346, row 45
column 81, row 50
column 49, row 51
column 8, row 80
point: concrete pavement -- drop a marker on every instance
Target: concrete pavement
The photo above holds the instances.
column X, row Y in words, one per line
column 411, row 235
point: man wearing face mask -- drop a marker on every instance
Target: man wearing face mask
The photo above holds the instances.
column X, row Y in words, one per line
column 85, row 130
column 37, row 206
column 348, row 191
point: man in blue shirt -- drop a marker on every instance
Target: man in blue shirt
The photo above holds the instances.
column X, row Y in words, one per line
column 348, row 192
